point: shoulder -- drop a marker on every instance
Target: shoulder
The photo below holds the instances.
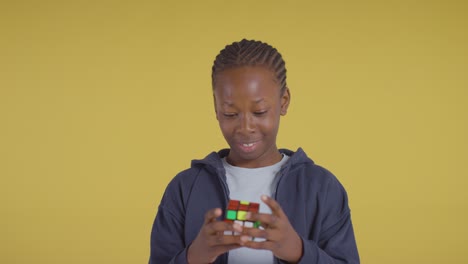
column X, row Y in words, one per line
column 302, row 166
column 202, row 171
column 316, row 179
column 184, row 178
column 324, row 177
column 179, row 186
column 210, row 163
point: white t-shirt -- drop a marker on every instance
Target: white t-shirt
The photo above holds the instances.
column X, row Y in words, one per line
column 248, row 184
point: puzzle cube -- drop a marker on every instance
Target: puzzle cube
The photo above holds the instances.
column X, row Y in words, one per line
column 236, row 213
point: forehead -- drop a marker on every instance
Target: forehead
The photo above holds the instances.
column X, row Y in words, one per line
column 246, row 81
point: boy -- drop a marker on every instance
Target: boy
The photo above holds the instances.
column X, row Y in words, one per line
column 304, row 211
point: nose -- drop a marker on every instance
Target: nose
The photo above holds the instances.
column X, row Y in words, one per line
column 247, row 124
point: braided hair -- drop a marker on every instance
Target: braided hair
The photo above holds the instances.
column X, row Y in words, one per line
column 250, row 53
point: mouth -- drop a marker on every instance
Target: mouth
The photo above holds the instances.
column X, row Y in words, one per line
column 248, row 147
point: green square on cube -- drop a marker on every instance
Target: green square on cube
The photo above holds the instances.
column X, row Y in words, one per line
column 257, row 224
column 231, row 215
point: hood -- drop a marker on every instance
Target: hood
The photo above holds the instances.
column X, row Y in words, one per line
column 214, row 159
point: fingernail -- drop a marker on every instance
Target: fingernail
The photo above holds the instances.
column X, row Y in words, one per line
column 244, row 238
column 264, row 197
column 248, row 215
column 237, row 227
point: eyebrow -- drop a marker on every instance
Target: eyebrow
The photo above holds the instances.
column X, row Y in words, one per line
column 256, row 101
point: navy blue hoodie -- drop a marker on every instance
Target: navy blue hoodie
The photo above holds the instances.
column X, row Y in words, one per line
column 314, row 201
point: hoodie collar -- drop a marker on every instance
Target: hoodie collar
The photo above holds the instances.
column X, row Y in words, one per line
column 214, row 159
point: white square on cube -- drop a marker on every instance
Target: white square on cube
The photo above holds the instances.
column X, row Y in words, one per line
column 248, row 224
column 239, row 223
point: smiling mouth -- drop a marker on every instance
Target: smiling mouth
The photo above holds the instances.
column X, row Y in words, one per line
column 248, row 147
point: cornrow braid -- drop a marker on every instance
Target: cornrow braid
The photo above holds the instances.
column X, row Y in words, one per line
column 250, row 53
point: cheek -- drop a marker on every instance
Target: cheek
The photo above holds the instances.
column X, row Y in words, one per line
column 225, row 127
column 269, row 125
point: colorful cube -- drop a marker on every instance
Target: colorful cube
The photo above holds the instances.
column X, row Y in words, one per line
column 236, row 213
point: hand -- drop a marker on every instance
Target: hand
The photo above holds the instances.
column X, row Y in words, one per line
column 281, row 238
column 211, row 241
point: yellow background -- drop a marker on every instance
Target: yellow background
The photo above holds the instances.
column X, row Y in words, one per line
column 103, row 102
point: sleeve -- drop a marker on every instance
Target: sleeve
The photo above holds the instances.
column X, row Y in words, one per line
column 336, row 242
column 167, row 243
column 340, row 247
column 167, row 235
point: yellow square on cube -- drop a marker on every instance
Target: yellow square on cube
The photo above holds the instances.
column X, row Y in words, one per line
column 244, row 202
column 241, row 215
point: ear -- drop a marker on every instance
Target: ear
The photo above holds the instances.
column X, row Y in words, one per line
column 285, row 99
column 214, row 104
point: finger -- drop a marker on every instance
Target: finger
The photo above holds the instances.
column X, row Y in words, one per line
column 268, row 234
column 274, row 205
column 212, row 214
column 225, row 248
column 221, row 226
column 223, row 240
column 266, row 220
column 269, row 245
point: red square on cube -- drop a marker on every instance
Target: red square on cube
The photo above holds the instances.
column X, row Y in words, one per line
column 233, row 205
column 235, row 213
column 254, row 207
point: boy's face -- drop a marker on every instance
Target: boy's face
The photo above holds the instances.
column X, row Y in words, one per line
column 248, row 106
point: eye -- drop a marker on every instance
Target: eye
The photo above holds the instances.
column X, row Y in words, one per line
column 230, row 115
column 259, row 113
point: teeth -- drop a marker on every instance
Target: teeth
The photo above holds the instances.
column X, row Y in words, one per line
column 248, row 145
